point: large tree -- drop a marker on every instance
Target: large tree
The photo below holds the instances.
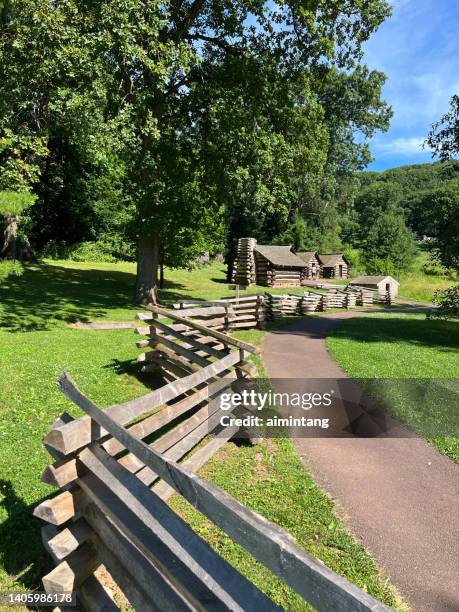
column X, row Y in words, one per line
column 443, row 138
column 440, row 214
column 124, row 80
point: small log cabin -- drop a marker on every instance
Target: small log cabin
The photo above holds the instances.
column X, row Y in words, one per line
column 381, row 284
column 333, row 265
column 277, row 266
column 311, row 270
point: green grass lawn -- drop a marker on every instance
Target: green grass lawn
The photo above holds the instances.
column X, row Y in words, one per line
column 407, row 346
column 36, row 344
column 271, row 479
column 55, row 292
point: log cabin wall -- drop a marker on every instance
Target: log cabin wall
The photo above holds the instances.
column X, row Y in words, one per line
column 311, row 271
column 285, row 277
column 333, row 265
column 263, row 270
column 244, row 264
column 337, row 271
column 278, row 266
column 270, row 275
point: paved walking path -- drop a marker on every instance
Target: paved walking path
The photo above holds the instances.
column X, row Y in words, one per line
column 399, row 495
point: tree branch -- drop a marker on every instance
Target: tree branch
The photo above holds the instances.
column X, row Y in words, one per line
column 217, row 42
column 187, row 21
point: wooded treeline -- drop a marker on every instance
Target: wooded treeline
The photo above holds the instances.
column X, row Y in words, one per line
column 162, row 130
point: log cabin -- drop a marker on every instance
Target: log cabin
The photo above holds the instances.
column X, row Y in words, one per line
column 311, row 270
column 333, row 265
column 278, row 266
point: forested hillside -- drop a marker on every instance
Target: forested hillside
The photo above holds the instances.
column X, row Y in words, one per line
column 416, row 183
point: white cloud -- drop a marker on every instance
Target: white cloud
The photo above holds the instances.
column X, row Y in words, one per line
column 399, row 146
column 418, row 49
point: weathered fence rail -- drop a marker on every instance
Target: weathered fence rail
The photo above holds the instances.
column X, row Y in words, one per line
column 238, row 313
column 253, row 311
column 114, row 481
column 280, row 306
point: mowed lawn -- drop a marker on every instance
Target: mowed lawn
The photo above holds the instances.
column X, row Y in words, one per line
column 421, row 359
column 36, row 344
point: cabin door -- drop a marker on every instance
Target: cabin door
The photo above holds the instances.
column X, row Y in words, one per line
column 387, row 287
column 340, row 271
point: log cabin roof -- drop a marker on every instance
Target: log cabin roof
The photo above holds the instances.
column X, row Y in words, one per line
column 372, row 280
column 306, row 256
column 331, row 259
column 280, row 255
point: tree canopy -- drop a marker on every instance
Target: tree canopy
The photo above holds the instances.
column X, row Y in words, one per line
column 443, row 138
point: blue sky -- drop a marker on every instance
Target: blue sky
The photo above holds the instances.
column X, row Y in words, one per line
column 418, row 49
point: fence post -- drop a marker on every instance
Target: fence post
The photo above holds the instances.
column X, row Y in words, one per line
column 260, row 312
column 153, row 342
column 227, row 319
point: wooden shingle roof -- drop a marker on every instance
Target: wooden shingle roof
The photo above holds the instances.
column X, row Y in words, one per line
column 331, row 259
column 306, row 256
column 372, row 280
column 280, row 255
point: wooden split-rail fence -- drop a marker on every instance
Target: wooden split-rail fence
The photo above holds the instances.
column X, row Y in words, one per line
column 254, row 310
column 117, row 467
column 228, row 314
column 280, row 306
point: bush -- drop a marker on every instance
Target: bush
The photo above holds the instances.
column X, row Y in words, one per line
column 377, row 265
column 10, row 268
column 354, row 256
column 448, row 304
column 109, row 249
column 434, row 268
column 91, row 251
column 389, row 245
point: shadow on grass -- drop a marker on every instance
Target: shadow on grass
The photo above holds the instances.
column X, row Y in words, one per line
column 21, row 550
column 47, row 294
column 442, row 335
column 222, row 281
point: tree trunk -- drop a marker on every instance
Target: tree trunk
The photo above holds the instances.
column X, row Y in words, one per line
column 229, row 270
column 147, row 270
column 161, row 275
column 25, row 251
column 9, row 249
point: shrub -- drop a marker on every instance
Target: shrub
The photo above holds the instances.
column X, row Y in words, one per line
column 110, row 249
column 56, row 250
column 448, row 304
column 10, row 268
column 91, row 251
column 378, row 265
column 354, row 256
column 389, row 245
column 433, row 268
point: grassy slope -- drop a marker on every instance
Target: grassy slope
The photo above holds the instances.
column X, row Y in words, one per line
column 35, row 345
column 401, row 346
column 417, row 285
